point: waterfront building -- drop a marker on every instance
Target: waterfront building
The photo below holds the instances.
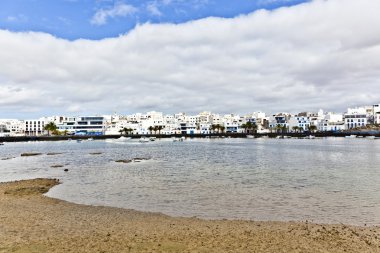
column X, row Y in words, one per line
column 356, row 117
column 204, row 117
column 377, row 118
column 331, row 122
column 376, row 113
column 83, row 125
column 35, row 127
column 261, row 121
column 205, row 128
column 232, row 123
column 300, row 121
column 279, row 120
column 12, row 127
column 3, row 130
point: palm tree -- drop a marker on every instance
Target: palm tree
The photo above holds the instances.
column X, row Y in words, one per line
column 295, row 129
column 254, row 127
column 222, row 128
column 213, row 128
column 278, row 128
column 159, row 128
column 150, row 129
column 245, row 127
column 121, row 131
column 50, row 127
column 155, row 129
column 312, row 128
column 125, row 130
column 249, row 126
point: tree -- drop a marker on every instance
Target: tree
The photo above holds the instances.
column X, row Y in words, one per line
column 295, row 129
column 125, row 130
column 159, row 128
column 222, row 128
column 213, row 128
column 312, row 128
column 121, row 131
column 245, row 127
column 155, row 129
column 150, row 129
column 254, row 127
column 249, row 126
column 50, row 127
column 55, row 132
column 278, row 128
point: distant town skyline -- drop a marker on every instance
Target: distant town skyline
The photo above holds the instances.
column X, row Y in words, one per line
column 265, row 55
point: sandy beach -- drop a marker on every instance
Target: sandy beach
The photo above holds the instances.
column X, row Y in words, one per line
column 31, row 222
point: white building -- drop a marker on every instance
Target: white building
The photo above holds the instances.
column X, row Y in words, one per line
column 331, row 122
column 376, row 113
column 83, row 125
column 377, row 118
column 301, row 122
column 12, row 127
column 35, row 127
column 279, row 120
column 355, row 117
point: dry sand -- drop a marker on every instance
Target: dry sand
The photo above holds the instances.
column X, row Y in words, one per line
column 31, row 222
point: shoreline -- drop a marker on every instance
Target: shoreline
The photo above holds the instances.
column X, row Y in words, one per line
column 201, row 136
column 32, row 222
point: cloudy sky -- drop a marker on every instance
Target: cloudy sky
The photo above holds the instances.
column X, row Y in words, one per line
column 73, row 57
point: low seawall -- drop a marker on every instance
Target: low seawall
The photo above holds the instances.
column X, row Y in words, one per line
column 229, row 135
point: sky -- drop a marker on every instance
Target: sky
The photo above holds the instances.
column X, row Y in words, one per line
column 92, row 57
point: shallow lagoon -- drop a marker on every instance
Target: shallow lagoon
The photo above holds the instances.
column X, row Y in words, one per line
column 328, row 180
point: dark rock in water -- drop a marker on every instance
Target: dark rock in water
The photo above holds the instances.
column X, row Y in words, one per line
column 7, row 158
column 140, row 159
column 66, row 170
column 96, row 153
column 57, row 166
column 30, row 154
column 53, row 153
column 123, row 161
column 136, row 160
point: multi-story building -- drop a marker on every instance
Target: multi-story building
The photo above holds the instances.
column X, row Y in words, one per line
column 279, row 120
column 84, row 125
column 35, row 127
column 331, row 122
column 377, row 118
column 12, row 127
column 355, row 117
column 301, row 122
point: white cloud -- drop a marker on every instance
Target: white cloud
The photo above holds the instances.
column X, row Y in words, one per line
column 267, row 2
column 153, row 9
column 119, row 9
column 323, row 54
column 17, row 18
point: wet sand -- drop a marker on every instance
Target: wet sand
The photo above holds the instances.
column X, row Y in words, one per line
column 31, row 222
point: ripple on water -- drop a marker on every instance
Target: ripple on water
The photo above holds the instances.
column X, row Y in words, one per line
column 330, row 180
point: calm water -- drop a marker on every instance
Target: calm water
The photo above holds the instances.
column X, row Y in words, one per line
column 323, row 180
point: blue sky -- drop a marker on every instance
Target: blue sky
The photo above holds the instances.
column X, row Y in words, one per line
column 97, row 19
column 318, row 54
